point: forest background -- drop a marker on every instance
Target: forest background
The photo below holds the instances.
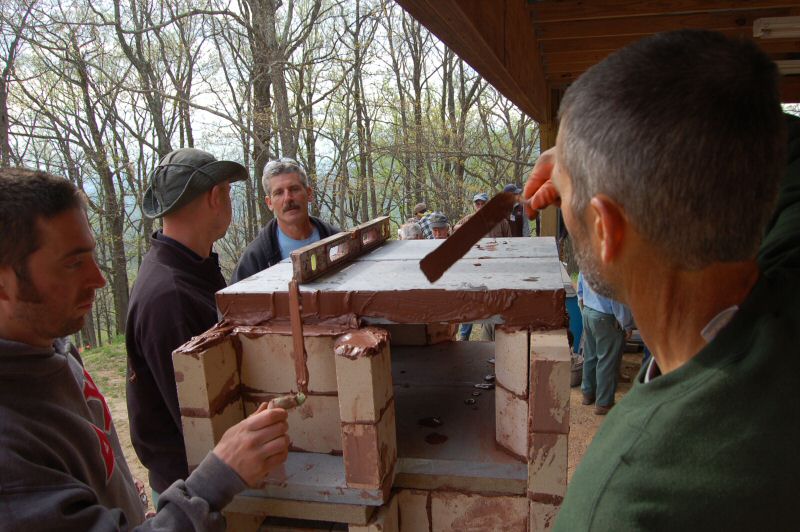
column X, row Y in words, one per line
column 380, row 113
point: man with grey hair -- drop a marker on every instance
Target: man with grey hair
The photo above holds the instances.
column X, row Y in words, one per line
column 668, row 166
column 288, row 194
column 410, row 230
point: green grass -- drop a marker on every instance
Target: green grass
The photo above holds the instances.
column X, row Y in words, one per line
column 107, row 365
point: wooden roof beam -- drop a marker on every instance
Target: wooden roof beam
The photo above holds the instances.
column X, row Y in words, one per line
column 606, row 45
column 639, row 26
column 551, row 11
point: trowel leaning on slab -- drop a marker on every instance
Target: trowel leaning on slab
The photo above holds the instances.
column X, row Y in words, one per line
column 438, row 261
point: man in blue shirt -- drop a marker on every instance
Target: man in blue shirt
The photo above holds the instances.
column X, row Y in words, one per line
column 288, row 194
column 606, row 324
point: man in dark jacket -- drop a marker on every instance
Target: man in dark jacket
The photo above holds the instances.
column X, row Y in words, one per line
column 288, row 194
column 173, row 299
column 61, row 464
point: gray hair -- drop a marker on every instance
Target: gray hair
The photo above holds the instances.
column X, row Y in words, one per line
column 281, row 166
column 410, row 231
column 685, row 131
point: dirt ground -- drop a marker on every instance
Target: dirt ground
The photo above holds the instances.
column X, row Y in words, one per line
column 119, row 413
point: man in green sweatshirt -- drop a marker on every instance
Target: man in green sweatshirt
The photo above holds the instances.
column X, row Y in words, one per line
column 670, row 168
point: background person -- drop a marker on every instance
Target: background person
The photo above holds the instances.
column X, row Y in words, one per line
column 410, row 231
column 501, row 230
column 288, row 195
column 440, row 226
column 606, row 325
column 173, row 299
column 520, row 226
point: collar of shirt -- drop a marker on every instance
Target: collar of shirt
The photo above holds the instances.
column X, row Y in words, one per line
column 709, row 332
column 164, row 238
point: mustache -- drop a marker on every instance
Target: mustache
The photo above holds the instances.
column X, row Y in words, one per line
column 290, row 206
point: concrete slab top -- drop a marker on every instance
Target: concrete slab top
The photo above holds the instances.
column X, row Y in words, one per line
column 516, row 280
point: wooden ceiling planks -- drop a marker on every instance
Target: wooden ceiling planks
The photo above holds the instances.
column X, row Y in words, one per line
column 495, row 38
column 531, row 49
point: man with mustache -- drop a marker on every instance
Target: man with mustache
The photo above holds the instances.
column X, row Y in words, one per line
column 670, row 170
column 61, row 464
column 288, row 194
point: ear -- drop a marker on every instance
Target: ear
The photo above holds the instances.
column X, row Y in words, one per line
column 310, row 194
column 609, row 226
column 213, row 195
column 268, row 201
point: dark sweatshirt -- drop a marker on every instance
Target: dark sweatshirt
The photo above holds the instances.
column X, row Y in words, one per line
column 61, row 464
column 172, row 300
column 264, row 250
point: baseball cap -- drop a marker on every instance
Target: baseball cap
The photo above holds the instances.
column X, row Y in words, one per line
column 481, row 196
column 437, row 219
column 514, row 189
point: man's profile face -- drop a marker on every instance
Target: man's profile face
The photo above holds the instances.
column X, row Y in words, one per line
column 585, row 256
column 478, row 204
column 57, row 291
column 288, row 199
column 440, row 233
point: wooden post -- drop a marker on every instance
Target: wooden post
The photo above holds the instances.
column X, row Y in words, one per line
column 548, row 130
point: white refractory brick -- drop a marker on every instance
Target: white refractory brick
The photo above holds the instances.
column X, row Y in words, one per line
column 542, row 516
column 547, row 468
column 370, row 451
column 384, row 520
column 413, row 508
column 511, row 422
column 314, row 426
column 268, row 363
column 208, row 396
column 460, row 512
column 203, row 377
column 364, row 382
column 201, row 434
column 549, row 389
column 512, row 357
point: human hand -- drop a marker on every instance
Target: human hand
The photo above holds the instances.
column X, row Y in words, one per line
column 628, row 334
column 255, row 446
column 539, row 191
column 141, row 491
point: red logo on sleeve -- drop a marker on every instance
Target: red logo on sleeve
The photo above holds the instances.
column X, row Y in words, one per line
column 106, row 451
column 92, row 393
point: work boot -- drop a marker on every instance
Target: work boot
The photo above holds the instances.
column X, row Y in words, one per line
column 602, row 410
column 587, row 399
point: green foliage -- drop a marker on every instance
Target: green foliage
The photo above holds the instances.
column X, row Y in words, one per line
column 107, row 365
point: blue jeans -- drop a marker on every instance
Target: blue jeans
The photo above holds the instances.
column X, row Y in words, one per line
column 602, row 353
column 464, row 330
